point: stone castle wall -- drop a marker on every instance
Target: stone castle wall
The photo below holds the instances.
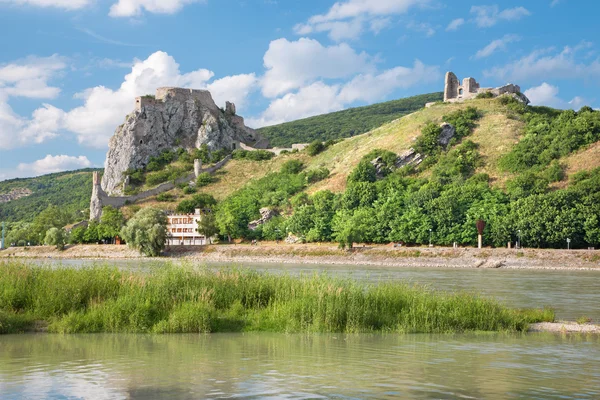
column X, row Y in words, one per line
column 454, row 91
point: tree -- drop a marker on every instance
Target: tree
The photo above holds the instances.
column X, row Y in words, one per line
column 55, row 237
column 204, row 179
column 146, row 231
column 207, row 226
column 77, row 235
column 292, row 167
column 91, row 233
column 201, row 200
column 111, row 222
column 51, row 217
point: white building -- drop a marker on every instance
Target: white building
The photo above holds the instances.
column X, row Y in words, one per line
column 183, row 229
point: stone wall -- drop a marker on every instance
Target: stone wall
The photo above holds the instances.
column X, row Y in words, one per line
column 101, row 199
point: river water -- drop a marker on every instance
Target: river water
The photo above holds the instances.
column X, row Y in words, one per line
column 273, row 366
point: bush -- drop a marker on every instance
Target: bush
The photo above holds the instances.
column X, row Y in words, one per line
column 485, row 95
column 364, row 172
column 292, row 167
column 257, row 155
column 316, row 175
column 189, row 190
column 205, row 179
column 146, row 231
column 165, row 197
column 201, row 200
column 315, row 148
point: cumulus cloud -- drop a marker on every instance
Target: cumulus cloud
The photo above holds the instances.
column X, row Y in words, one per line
column 548, row 64
column 547, row 95
column 422, row 27
column 64, row 4
column 291, row 65
column 487, row 16
column 131, row 8
column 29, row 78
column 495, row 45
column 455, row 24
column 347, row 19
column 319, row 98
column 51, row 164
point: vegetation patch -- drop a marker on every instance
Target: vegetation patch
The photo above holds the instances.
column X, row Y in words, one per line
column 180, row 300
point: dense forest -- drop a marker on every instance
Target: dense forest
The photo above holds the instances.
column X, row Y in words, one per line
column 344, row 124
column 69, row 190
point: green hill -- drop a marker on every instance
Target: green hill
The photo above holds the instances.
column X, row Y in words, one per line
column 346, row 123
column 71, row 191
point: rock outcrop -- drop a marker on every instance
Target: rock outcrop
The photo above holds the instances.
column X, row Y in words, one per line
column 266, row 214
column 15, row 194
column 174, row 118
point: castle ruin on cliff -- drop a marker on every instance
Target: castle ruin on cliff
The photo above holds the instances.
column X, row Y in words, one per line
column 454, row 91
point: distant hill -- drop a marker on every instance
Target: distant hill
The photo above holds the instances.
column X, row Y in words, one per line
column 346, row 123
column 69, row 190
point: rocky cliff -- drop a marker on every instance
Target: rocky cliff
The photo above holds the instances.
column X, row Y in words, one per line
column 174, row 118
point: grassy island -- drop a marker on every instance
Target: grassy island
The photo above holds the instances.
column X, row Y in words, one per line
column 188, row 300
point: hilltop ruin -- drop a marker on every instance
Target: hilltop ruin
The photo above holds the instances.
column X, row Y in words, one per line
column 173, row 118
column 454, row 91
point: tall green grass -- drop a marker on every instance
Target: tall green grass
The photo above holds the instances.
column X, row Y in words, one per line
column 183, row 300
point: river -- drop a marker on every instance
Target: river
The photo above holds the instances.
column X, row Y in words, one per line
column 274, row 366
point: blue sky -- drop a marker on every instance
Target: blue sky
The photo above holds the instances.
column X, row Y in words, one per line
column 69, row 69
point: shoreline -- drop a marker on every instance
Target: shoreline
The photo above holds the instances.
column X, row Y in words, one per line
column 329, row 254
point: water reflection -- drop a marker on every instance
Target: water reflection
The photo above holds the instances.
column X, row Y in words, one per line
column 298, row 366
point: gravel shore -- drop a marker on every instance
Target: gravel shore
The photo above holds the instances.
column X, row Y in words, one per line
column 564, row 327
column 329, row 254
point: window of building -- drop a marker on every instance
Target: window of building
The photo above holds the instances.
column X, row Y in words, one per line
column 460, row 92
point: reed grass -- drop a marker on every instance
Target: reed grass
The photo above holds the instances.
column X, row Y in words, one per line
column 176, row 299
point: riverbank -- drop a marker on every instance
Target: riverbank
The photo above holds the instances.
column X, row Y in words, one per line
column 329, row 254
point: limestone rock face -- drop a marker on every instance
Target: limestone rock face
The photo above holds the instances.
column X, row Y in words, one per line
column 448, row 132
column 174, row 118
column 266, row 214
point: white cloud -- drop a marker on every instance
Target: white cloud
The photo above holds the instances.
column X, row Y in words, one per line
column 131, row 8
column 422, row 27
column 319, row 98
column 122, row 8
column 548, row 64
column 346, row 19
column 487, row 16
column 498, row 44
column 65, row 4
column 29, row 78
column 547, row 95
column 374, row 87
column 291, row 65
column 51, row 164
column 235, row 89
column 455, row 24
column 554, row 3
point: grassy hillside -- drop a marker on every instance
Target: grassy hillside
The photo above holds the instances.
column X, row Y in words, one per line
column 344, row 124
column 71, row 191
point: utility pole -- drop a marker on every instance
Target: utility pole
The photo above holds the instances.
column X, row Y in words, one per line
column 430, row 232
column 568, row 244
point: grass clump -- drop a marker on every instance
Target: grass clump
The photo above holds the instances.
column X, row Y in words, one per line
column 182, row 300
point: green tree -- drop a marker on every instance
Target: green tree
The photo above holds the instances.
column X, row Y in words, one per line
column 111, row 222
column 91, row 233
column 146, row 231
column 55, row 237
column 201, row 200
column 77, row 235
column 204, row 179
column 207, row 226
column 51, row 217
column 364, row 172
column 292, row 167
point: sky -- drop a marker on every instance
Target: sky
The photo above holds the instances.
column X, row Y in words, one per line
column 70, row 69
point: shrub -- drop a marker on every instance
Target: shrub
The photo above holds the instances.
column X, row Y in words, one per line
column 201, row 200
column 292, row 167
column 485, row 95
column 315, row 148
column 364, row 172
column 165, row 197
column 257, row 155
column 316, row 175
column 189, row 190
column 205, row 179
